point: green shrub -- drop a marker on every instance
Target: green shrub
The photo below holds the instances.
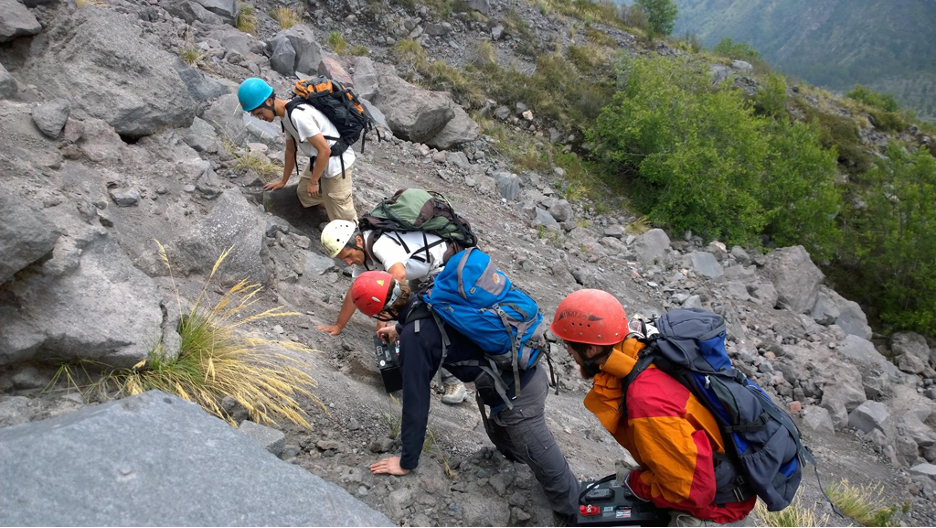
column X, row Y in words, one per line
column 799, row 193
column 701, row 160
column 695, row 155
column 727, row 47
column 881, row 101
column 772, row 96
column 839, row 132
column 891, row 263
column 889, row 121
column 337, row 42
column 661, row 15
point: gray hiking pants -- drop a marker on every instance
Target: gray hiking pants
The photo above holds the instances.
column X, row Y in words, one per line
column 521, row 434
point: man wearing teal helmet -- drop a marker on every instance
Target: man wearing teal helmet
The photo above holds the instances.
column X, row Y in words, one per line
column 323, row 182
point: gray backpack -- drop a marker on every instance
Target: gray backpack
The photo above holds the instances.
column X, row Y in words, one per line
column 763, row 452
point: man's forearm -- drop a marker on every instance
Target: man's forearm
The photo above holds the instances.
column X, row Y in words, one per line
column 318, row 169
column 289, row 164
column 347, row 310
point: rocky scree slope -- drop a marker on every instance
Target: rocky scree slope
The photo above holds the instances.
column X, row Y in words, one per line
column 98, row 166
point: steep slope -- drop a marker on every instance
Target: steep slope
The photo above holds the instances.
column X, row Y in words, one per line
column 837, row 43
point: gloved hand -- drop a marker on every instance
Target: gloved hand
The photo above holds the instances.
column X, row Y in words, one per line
column 641, row 330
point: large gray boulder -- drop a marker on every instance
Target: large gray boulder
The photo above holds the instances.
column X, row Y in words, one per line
column 7, row 84
column 231, row 222
column 508, row 184
column 846, row 314
column 412, row 113
column 233, row 124
column 26, row 235
column 818, row 419
column 651, row 246
column 844, row 386
column 796, row 278
column 910, row 346
column 155, row 459
column 87, row 302
column 190, row 11
column 460, row 130
column 705, row 264
column 226, row 9
column 16, row 20
column 98, row 60
column 861, row 351
column 481, row 6
column 200, row 87
column 826, row 311
column 366, row 83
column 295, row 50
column 870, row 415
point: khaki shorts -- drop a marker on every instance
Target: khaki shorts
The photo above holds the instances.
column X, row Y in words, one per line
column 336, row 195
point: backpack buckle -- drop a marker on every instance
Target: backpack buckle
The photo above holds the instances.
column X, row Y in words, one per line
column 708, row 383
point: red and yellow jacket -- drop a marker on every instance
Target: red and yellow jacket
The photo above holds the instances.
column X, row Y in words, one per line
column 669, row 433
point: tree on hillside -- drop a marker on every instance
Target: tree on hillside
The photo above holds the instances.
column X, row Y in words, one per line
column 661, row 15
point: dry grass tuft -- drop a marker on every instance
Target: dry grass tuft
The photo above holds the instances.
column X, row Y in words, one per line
column 865, row 503
column 286, row 16
column 338, row 43
column 255, row 161
column 794, row 515
column 217, row 359
column 247, row 19
column 638, row 227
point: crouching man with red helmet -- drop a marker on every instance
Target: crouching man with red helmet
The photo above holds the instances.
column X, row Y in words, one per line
column 672, row 436
column 519, row 433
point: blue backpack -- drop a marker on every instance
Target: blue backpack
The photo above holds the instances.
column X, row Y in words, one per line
column 763, row 452
column 478, row 300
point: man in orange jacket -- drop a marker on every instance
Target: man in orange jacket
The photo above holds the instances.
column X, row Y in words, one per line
column 673, row 437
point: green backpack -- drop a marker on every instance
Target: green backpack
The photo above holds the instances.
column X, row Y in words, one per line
column 419, row 210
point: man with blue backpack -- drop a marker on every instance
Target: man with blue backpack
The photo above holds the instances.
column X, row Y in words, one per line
column 472, row 298
column 708, row 441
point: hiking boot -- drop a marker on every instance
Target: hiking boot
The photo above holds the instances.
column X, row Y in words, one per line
column 455, row 393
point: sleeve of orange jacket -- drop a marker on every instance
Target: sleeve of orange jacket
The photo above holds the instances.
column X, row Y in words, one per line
column 678, row 457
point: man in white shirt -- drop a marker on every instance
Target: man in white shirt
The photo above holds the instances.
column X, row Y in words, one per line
column 407, row 256
column 323, row 182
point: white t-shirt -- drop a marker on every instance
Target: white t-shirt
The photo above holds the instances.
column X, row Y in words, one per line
column 311, row 122
column 388, row 250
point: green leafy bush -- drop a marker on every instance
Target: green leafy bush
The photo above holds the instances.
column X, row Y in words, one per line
column 699, row 159
column 881, row 101
column 661, row 15
column 892, row 260
column 727, row 47
column 772, row 96
column 799, row 194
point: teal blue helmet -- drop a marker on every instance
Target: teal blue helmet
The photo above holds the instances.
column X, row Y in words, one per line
column 253, row 92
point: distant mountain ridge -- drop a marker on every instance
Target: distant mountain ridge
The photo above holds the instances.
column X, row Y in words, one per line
column 886, row 45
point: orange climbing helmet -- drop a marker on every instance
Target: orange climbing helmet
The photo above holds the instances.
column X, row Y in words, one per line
column 593, row 317
column 372, row 291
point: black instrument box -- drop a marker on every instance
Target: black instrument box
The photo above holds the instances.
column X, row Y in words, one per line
column 388, row 361
column 608, row 504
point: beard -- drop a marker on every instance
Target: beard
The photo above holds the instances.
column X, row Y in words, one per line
column 589, row 370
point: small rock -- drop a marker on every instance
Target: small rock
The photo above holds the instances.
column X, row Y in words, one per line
column 125, row 198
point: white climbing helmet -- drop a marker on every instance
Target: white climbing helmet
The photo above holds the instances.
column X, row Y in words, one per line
column 336, row 235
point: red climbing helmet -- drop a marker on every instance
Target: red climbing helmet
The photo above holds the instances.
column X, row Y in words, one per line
column 594, row 317
column 371, row 292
